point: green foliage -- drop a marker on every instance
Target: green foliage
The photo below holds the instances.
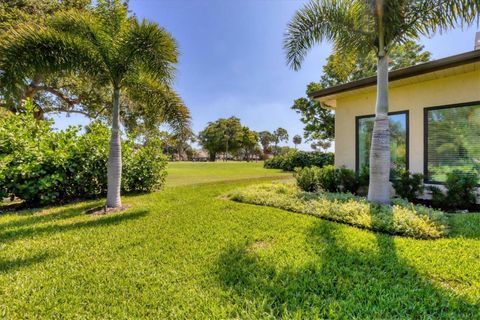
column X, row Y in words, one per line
column 307, row 178
column 266, row 140
column 227, row 136
column 297, row 139
column 407, row 185
column 144, row 168
column 461, row 191
column 299, row 159
column 43, row 166
column 402, row 218
column 328, row 179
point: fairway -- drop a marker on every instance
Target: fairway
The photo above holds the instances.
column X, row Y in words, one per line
column 187, row 253
column 184, row 173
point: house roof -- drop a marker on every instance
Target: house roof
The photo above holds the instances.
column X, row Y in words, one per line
column 417, row 70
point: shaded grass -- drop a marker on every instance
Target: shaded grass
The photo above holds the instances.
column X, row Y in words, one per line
column 184, row 253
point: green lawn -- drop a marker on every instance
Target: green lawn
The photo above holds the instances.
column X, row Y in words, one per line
column 186, row 252
column 187, row 173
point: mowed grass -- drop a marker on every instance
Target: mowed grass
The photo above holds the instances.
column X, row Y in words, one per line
column 188, row 173
column 187, row 253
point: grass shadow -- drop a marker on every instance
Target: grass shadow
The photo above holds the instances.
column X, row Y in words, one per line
column 98, row 221
column 347, row 278
column 32, row 217
column 9, row 265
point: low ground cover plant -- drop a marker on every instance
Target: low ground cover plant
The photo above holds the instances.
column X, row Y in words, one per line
column 401, row 218
column 42, row 166
column 299, row 159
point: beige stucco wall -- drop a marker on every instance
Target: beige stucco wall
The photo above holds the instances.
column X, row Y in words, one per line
column 413, row 97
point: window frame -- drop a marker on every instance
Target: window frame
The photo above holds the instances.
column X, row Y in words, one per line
column 425, row 135
column 407, row 137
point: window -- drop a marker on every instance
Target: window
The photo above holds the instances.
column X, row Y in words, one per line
column 398, row 140
column 452, row 140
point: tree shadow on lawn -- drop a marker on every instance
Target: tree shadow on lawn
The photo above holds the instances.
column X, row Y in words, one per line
column 34, row 216
column 97, row 221
column 17, row 263
column 349, row 278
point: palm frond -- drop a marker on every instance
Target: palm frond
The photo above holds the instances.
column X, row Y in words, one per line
column 150, row 48
column 29, row 50
column 342, row 22
column 157, row 103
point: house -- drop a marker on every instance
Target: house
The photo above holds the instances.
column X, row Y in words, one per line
column 434, row 118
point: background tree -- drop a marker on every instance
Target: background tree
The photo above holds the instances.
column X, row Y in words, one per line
column 297, row 139
column 249, row 142
column 280, row 134
column 106, row 44
column 266, row 140
column 361, row 27
column 223, row 135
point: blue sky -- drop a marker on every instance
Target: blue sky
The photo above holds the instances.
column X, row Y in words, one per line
column 232, row 61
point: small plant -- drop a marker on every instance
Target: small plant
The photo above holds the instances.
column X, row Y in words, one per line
column 307, row 178
column 461, row 191
column 407, row 185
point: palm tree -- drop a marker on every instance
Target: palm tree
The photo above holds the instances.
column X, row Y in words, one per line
column 297, row 140
column 107, row 44
column 363, row 26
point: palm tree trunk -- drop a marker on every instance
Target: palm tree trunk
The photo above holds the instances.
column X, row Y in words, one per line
column 114, row 170
column 379, row 188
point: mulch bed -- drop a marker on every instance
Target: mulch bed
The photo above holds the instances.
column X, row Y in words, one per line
column 105, row 210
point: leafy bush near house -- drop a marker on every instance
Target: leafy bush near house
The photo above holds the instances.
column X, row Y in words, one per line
column 401, row 218
column 328, row 179
column 43, row 166
column 407, row 185
column 299, row 159
column 307, row 178
column 461, row 191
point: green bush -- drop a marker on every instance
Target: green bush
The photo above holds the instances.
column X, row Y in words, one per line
column 461, row 191
column 328, row 178
column 401, row 218
column 299, row 159
column 307, row 178
column 42, row 166
column 407, row 185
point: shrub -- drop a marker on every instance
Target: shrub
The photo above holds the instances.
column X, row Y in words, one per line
column 299, row 159
column 407, row 185
column 43, row 166
column 402, row 218
column 461, row 191
column 307, row 178
column 327, row 178
column 144, row 170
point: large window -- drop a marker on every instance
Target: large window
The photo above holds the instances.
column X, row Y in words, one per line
column 398, row 140
column 452, row 140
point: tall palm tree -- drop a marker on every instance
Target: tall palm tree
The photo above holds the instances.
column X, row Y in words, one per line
column 363, row 26
column 107, row 44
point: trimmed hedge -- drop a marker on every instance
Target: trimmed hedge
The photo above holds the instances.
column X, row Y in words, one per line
column 401, row 218
column 42, row 166
column 299, row 159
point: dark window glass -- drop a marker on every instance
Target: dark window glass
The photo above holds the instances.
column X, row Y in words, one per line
column 453, row 141
column 398, row 140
